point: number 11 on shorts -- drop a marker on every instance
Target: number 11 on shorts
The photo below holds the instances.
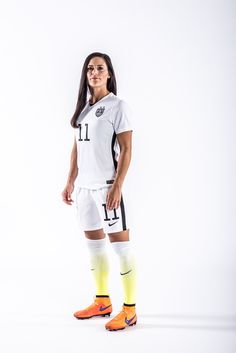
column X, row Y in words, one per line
column 106, row 215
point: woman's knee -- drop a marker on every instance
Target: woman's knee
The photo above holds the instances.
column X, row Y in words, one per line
column 95, row 234
column 119, row 236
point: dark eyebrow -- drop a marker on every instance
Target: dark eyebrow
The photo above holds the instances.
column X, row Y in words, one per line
column 96, row 65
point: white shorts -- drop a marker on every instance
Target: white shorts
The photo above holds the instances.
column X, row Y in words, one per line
column 92, row 213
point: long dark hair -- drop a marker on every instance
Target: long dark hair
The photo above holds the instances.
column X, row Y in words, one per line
column 83, row 88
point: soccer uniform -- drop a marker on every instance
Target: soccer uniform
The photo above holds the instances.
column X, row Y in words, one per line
column 97, row 159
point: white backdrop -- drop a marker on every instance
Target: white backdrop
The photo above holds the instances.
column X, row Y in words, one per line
column 175, row 66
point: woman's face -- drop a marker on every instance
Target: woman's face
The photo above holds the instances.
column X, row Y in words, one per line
column 97, row 72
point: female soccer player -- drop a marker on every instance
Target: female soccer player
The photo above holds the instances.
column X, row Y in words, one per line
column 99, row 162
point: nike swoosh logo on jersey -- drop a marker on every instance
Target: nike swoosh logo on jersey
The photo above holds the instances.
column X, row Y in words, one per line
column 111, row 224
column 104, row 307
column 129, row 321
column 125, row 273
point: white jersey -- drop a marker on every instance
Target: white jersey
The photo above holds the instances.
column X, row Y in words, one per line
column 97, row 146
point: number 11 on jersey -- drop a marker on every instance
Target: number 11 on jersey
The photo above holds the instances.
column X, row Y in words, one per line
column 80, row 132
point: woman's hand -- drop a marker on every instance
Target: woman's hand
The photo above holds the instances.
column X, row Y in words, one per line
column 66, row 193
column 113, row 197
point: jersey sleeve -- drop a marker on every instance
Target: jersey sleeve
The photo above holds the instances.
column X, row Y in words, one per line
column 123, row 118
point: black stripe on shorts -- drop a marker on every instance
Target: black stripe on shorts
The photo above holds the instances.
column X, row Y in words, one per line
column 122, row 208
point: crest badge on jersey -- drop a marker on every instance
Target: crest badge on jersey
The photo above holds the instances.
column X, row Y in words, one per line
column 100, row 111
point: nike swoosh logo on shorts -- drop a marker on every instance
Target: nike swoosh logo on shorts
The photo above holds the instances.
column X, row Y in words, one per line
column 111, row 224
column 129, row 321
column 104, row 308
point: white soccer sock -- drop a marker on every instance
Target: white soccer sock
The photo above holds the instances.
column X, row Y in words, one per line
column 127, row 270
column 99, row 264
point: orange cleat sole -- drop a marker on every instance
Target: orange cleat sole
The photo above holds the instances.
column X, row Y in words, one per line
column 122, row 328
column 89, row 317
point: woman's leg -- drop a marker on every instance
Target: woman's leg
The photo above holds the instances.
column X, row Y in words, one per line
column 127, row 317
column 123, row 248
column 95, row 234
column 102, row 306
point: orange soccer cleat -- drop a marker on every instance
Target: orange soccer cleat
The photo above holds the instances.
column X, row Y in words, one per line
column 127, row 317
column 101, row 307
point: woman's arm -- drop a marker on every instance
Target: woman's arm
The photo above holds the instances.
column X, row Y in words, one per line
column 114, row 193
column 73, row 172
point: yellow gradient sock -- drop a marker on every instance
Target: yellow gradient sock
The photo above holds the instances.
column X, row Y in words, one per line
column 127, row 270
column 99, row 264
